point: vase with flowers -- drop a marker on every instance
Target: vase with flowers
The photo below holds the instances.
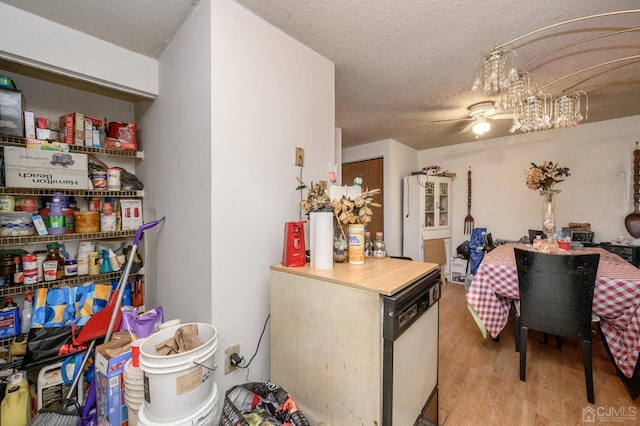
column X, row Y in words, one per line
column 349, row 217
column 317, row 206
column 355, row 214
column 543, row 178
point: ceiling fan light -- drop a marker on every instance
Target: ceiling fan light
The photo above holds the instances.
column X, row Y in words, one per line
column 481, row 127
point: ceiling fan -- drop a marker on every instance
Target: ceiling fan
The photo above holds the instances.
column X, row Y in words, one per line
column 479, row 113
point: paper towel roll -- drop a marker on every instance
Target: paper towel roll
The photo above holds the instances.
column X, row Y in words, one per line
column 321, row 236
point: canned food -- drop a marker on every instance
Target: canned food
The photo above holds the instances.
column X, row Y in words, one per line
column 7, row 203
column 30, row 262
column 30, row 276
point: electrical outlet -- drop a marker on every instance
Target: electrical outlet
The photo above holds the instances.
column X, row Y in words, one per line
column 228, row 367
column 299, row 160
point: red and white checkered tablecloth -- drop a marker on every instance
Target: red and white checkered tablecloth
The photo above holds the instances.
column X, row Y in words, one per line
column 616, row 299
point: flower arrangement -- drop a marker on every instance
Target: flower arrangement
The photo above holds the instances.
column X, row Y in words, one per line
column 545, row 176
column 346, row 211
column 359, row 211
column 318, row 199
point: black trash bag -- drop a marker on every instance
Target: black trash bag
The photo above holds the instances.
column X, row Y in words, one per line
column 463, row 250
column 476, row 248
column 50, row 344
column 129, row 181
column 260, row 403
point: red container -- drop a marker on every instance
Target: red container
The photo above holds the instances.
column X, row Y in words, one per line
column 114, row 129
column 293, row 250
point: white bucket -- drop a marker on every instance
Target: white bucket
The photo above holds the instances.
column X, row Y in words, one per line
column 177, row 385
column 204, row 416
column 168, row 324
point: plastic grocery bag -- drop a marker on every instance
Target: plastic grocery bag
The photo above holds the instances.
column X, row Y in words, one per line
column 260, row 403
column 476, row 248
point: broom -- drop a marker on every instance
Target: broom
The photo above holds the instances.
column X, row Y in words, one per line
column 69, row 413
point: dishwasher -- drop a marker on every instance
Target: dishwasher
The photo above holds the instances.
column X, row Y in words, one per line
column 410, row 354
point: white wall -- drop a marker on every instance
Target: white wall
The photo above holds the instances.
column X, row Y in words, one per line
column 398, row 160
column 269, row 94
column 29, row 39
column 599, row 190
column 177, row 170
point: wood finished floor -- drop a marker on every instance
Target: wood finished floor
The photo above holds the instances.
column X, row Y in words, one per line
column 479, row 381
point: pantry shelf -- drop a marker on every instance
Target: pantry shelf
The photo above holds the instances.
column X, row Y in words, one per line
column 32, row 239
column 21, row 142
column 65, row 282
column 76, row 192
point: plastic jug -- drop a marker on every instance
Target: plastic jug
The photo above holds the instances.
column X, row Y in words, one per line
column 15, row 409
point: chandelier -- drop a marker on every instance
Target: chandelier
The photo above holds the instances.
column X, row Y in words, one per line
column 534, row 110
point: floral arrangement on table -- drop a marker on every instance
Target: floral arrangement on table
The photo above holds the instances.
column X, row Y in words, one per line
column 545, row 176
column 346, row 211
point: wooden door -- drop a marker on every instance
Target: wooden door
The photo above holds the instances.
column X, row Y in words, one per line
column 372, row 173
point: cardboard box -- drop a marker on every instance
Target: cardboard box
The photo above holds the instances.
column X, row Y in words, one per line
column 459, row 270
column 435, row 252
column 46, row 134
column 29, row 124
column 66, row 128
column 36, row 168
column 130, row 214
column 72, row 127
column 112, row 409
column 11, row 117
column 88, row 133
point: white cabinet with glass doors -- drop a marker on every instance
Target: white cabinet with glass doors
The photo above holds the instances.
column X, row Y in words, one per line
column 426, row 214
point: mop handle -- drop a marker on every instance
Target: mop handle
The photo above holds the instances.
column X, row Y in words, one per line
column 125, row 275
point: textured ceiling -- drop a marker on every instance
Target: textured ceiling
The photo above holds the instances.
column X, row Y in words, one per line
column 400, row 65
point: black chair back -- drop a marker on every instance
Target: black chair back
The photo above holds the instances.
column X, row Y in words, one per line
column 556, row 292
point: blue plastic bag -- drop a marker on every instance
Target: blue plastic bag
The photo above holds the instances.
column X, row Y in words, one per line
column 476, row 248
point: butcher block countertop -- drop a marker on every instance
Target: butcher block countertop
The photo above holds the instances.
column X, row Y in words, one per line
column 383, row 276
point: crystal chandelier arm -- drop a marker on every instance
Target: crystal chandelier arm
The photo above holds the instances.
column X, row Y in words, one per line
column 520, row 68
column 599, row 74
column 599, row 15
column 587, row 69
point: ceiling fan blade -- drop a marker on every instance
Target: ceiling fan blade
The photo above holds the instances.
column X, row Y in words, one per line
column 502, row 117
column 468, row 127
column 451, row 120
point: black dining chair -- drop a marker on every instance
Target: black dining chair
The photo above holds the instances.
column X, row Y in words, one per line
column 556, row 297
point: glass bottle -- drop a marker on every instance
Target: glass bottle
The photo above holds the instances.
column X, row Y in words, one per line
column 378, row 247
column 368, row 247
column 18, row 275
column 53, row 253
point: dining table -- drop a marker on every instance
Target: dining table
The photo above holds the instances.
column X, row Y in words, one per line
column 616, row 298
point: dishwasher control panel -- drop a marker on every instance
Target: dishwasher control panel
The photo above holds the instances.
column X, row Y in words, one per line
column 405, row 307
